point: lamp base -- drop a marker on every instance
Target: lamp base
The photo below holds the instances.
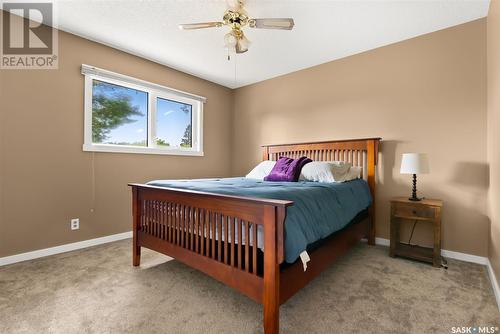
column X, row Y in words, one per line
column 414, row 190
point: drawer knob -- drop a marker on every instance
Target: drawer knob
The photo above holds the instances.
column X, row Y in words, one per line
column 414, row 211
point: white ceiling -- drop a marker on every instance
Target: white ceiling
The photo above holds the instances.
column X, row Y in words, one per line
column 324, row 31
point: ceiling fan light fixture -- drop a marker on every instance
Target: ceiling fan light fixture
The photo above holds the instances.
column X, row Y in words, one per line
column 240, row 49
column 234, row 4
column 242, row 44
column 236, row 18
column 230, row 40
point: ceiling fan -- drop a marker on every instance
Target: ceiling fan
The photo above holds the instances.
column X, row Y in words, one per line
column 237, row 18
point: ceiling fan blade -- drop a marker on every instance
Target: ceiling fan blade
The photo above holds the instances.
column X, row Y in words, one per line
column 191, row 26
column 277, row 23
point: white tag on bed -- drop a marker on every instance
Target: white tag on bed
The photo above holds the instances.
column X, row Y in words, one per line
column 305, row 258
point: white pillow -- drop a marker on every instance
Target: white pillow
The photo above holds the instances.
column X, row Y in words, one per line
column 261, row 170
column 325, row 171
column 353, row 174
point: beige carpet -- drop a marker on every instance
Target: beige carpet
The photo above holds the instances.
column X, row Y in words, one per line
column 96, row 290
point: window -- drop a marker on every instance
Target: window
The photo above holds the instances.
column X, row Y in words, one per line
column 174, row 123
column 124, row 114
column 119, row 115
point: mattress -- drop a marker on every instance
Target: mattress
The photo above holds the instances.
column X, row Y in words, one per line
column 319, row 210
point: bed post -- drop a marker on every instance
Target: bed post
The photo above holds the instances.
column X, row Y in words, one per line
column 136, row 216
column 371, row 156
column 265, row 153
column 271, row 298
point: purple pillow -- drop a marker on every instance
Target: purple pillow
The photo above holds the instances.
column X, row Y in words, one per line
column 287, row 169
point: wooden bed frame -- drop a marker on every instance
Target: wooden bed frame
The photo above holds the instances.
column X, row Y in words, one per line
column 182, row 223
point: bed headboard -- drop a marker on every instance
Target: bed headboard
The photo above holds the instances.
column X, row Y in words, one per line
column 360, row 152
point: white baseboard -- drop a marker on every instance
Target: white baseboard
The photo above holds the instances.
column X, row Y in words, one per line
column 465, row 257
column 382, row 242
column 63, row 248
column 494, row 283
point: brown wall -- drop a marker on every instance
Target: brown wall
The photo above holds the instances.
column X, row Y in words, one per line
column 46, row 178
column 426, row 94
column 494, row 132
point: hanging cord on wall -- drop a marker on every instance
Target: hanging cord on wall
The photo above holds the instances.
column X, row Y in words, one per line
column 412, row 230
column 92, row 176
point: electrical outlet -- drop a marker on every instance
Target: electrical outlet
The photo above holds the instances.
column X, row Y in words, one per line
column 75, row 224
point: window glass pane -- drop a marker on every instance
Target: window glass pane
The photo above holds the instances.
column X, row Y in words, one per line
column 173, row 124
column 119, row 115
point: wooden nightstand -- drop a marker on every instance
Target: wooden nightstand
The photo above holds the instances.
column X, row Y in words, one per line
column 426, row 210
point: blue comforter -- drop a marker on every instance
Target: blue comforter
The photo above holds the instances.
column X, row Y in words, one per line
column 319, row 209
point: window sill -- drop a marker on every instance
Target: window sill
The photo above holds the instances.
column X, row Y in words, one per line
column 140, row 150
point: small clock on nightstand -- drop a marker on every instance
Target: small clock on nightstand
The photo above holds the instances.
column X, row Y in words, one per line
column 426, row 211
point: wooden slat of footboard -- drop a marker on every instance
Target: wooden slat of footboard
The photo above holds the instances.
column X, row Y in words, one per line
column 240, row 238
column 190, row 230
column 183, row 224
column 151, row 218
column 196, row 233
column 148, row 217
column 219, row 237
column 196, row 230
column 226, row 240
column 213, row 219
column 255, row 247
column 170, row 223
column 203, row 233
column 167, row 221
column 247, row 247
column 162, row 220
column 185, row 227
column 157, row 218
column 233, row 240
column 150, row 212
column 177, row 225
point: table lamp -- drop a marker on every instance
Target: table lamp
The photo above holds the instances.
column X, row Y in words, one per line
column 414, row 163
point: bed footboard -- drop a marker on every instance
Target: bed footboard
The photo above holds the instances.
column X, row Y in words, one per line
column 218, row 235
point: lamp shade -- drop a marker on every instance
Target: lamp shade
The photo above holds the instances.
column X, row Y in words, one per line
column 414, row 163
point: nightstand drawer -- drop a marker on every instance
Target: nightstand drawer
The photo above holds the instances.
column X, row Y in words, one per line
column 409, row 211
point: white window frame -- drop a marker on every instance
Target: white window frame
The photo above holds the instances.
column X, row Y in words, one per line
column 154, row 91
